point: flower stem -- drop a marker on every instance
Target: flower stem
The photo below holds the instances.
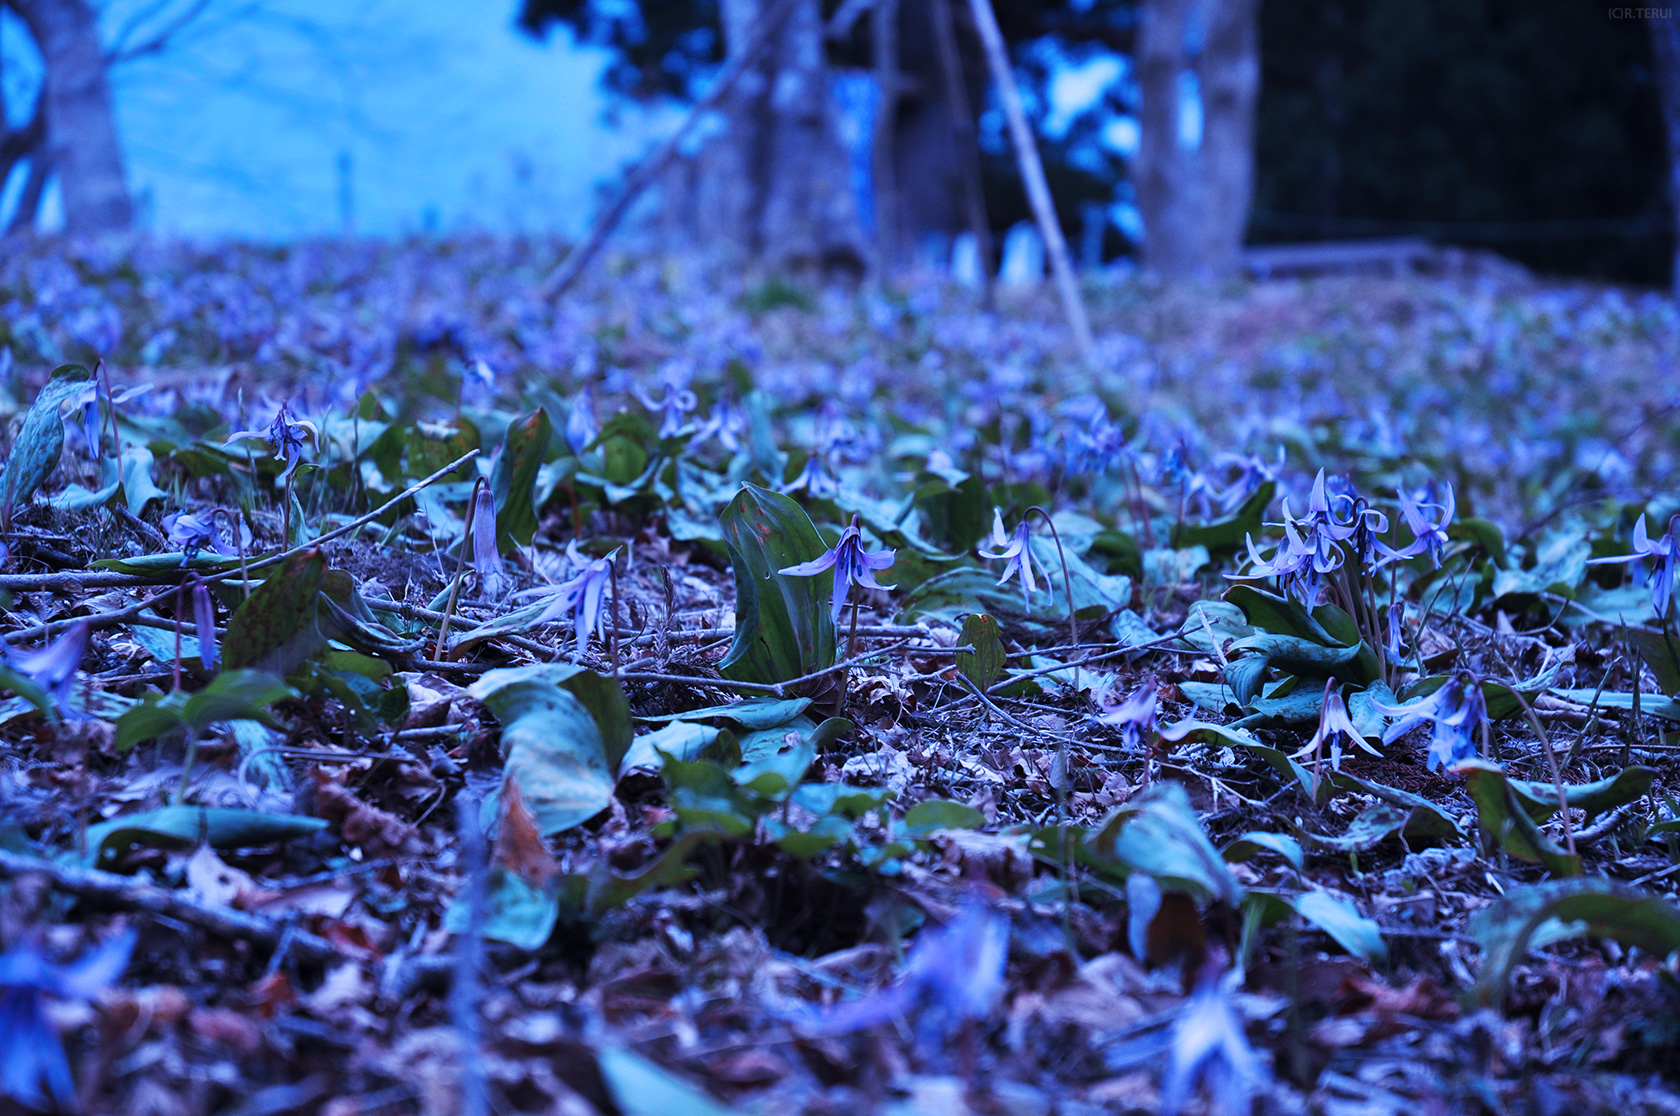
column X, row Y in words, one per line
column 612, row 572
column 851, row 649
column 440, row 652
column 1067, row 586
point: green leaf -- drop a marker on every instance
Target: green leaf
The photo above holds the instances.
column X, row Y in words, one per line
column 1426, row 819
column 1158, row 833
column 1354, row 932
column 1257, row 841
column 641, row 1088
column 40, row 440
column 939, row 813
column 1589, row 905
column 233, row 695
column 753, row 714
column 1228, row 534
column 516, row 912
column 1303, row 656
column 679, row 739
column 1661, row 652
column 607, row 889
column 1540, row 799
column 1277, row 614
column 185, row 826
column 564, row 731
column 1374, row 825
column 984, row 664
column 138, row 488
column 1666, row 708
column 1244, row 677
column 784, row 628
column 275, row 628
column 514, row 478
column 1502, row 815
column 1560, row 564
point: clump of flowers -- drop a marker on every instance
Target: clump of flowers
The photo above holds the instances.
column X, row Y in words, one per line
column 675, row 404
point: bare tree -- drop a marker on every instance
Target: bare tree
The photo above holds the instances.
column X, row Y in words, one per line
column 74, row 131
column 1199, row 69
column 1665, row 49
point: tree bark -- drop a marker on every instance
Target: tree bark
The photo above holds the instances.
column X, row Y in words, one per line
column 776, row 185
column 1665, row 50
column 1195, row 184
column 81, row 146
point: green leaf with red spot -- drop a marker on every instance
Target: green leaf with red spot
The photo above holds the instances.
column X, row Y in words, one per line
column 276, row 629
column 783, row 626
column 513, row 479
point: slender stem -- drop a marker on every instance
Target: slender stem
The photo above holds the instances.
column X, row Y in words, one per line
column 851, row 651
column 612, row 572
column 441, row 651
column 1551, row 760
column 1067, row 586
column 234, row 526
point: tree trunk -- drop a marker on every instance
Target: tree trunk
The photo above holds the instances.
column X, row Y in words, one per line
column 1195, row 175
column 776, row 185
column 1665, row 49
column 81, row 141
column 932, row 153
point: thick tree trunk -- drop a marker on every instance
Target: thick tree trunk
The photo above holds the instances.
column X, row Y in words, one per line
column 81, row 142
column 932, row 154
column 1195, row 177
column 776, row 184
column 1665, row 49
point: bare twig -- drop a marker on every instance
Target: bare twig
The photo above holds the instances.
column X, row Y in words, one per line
column 1032, row 175
column 122, row 891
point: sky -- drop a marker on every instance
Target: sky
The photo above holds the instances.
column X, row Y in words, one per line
column 280, row 119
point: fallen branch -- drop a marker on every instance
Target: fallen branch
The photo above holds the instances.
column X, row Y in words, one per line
column 131, row 894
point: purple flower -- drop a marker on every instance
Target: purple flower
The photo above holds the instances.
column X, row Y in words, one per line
column 1135, row 716
column 32, row 1053
column 53, row 667
column 851, row 564
column 581, row 427
column 487, row 559
column 204, row 621
column 1427, row 538
column 727, row 423
column 1017, row 549
column 954, row 974
column 674, row 405
column 1209, row 1046
column 579, row 597
column 817, row 479
column 1334, row 726
column 1665, row 552
column 285, row 437
column 1455, row 711
column 1095, row 449
column 190, row 533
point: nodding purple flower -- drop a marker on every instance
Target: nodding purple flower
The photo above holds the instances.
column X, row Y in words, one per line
column 54, row 666
column 190, row 533
column 727, row 423
column 285, row 437
column 1334, row 726
column 852, row 565
column 487, row 556
column 1312, row 543
column 954, row 974
column 1428, row 538
column 1209, row 1046
column 674, row 405
column 1665, row 552
column 1396, row 643
column 1135, row 717
column 1299, row 567
column 581, row 427
column 816, row 479
column 32, row 1053
column 482, row 372
column 204, row 622
column 580, row 597
column 1017, row 549
column 1097, row 448
column 1454, row 712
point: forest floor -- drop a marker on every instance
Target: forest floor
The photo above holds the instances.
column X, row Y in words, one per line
column 457, row 742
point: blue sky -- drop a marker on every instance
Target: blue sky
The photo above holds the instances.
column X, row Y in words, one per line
column 435, row 114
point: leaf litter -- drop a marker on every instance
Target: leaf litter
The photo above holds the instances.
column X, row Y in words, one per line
column 373, row 745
